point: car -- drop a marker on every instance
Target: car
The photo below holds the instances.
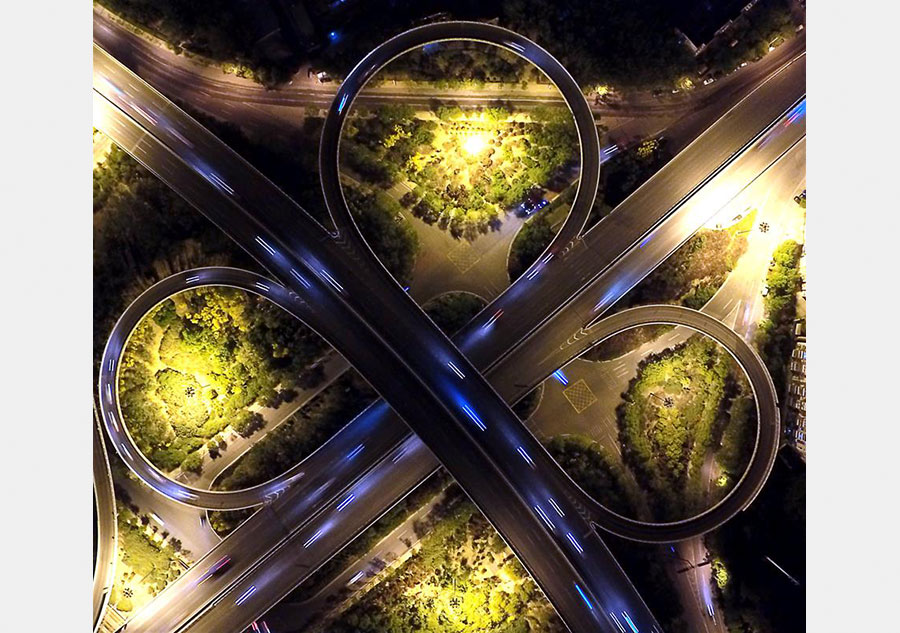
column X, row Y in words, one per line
column 531, row 207
column 221, row 564
column 708, row 81
column 218, row 567
column 765, row 290
column 801, row 197
column 533, row 203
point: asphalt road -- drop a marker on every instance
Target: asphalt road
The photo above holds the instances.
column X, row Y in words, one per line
column 767, row 437
column 371, row 64
column 559, row 571
column 737, row 302
column 601, row 223
column 566, row 328
column 648, row 225
column 110, row 379
column 105, row 502
column 677, row 228
column 210, row 88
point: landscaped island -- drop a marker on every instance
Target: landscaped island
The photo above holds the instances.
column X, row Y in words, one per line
column 689, row 277
column 200, row 362
column 467, row 168
column 461, row 578
column 672, row 421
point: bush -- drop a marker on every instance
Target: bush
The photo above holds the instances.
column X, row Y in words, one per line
column 295, row 438
column 394, row 243
column 587, row 463
column 243, row 345
column 532, row 239
column 193, row 463
column 672, row 414
column 124, row 604
column 451, row 311
column 168, row 459
column 248, row 423
column 774, row 336
column 753, row 595
column 689, row 277
column 215, row 30
column 752, row 31
column 463, row 193
column 485, row 600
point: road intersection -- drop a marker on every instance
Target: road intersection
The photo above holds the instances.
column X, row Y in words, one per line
column 127, row 122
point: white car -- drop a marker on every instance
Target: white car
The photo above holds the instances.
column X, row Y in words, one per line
column 708, row 81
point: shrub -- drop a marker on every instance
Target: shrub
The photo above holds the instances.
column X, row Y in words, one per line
column 193, row 463
column 248, row 423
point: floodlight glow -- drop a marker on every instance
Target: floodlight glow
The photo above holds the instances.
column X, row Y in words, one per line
column 475, row 144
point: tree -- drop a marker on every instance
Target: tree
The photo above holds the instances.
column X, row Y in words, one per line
column 532, row 240
column 452, row 311
column 193, row 463
column 614, row 42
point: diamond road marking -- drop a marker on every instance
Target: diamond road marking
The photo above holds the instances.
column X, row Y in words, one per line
column 463, row 256
column 580, row 396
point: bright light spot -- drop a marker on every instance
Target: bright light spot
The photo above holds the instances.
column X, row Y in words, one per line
column 719, row 573
column 475, row 144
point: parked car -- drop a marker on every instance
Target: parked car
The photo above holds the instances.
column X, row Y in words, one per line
column 530, row 207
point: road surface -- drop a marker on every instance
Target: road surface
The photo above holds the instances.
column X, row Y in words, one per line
column 387, row 317
column 713, row 158
column 105, row 507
